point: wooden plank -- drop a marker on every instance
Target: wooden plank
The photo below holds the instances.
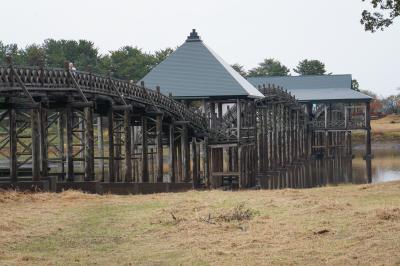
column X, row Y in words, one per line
column 225, row 174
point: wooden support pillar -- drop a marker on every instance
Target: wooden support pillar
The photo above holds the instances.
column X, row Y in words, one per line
column 35, row 115
column 70, row 162
column 206, row 161
column 60, row 129
column 239, row 119
column 117, row 147
column 13, row 144
column 179, row 161
column 128, row 151
column 195, row 174
column 145, row 159
column 368, row 151
column 159, row 144
column 220, row 112
column 43, row 142
column 185, row 154
column 172, row 153
column 89, row 144
column 240, row 166
column 100, row 143
column 111, row 156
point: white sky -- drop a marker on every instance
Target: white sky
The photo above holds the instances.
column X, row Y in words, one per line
column 242, row 32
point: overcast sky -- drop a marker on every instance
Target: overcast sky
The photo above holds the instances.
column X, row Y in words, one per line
column 242, row 32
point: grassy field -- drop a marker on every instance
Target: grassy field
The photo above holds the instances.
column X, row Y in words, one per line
column 333, row 225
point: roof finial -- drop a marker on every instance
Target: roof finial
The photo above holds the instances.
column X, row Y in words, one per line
column 193, row 37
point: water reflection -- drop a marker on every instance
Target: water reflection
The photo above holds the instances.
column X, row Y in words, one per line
column 385, row 165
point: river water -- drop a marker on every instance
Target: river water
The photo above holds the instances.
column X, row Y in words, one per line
column 385, row 163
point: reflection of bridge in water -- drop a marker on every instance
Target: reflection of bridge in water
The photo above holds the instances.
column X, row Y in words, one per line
column 75, row 129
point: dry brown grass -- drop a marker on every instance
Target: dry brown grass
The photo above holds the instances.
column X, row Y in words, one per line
column 333, row 225
column 386, row 128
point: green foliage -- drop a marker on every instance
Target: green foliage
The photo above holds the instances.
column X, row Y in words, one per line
column 162, row 54
column 35, row 55
column 310, row 67
column 82, row 53
column 13, row 51
column 130, row 63
column 270, row 67
column 355, row 85
column 125, row 63
column 240, row 69
column 385, row 12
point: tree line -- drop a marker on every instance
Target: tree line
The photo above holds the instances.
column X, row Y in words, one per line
column 132, row 63
column 273, row 67
column 128, row 62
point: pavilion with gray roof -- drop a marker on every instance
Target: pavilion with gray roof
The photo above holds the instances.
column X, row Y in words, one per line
column 315, row 88
column 195, row 71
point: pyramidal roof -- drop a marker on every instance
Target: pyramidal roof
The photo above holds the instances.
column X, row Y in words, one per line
column 196, row 71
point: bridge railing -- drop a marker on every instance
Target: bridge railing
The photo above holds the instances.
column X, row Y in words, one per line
column 59, row 79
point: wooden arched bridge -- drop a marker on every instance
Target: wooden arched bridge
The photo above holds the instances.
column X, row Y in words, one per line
column 75, row 129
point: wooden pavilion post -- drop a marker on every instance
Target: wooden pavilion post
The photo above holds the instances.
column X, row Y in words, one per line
column 206, row 153
column 185, row 154
column 195, row 175
column 172, row 153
